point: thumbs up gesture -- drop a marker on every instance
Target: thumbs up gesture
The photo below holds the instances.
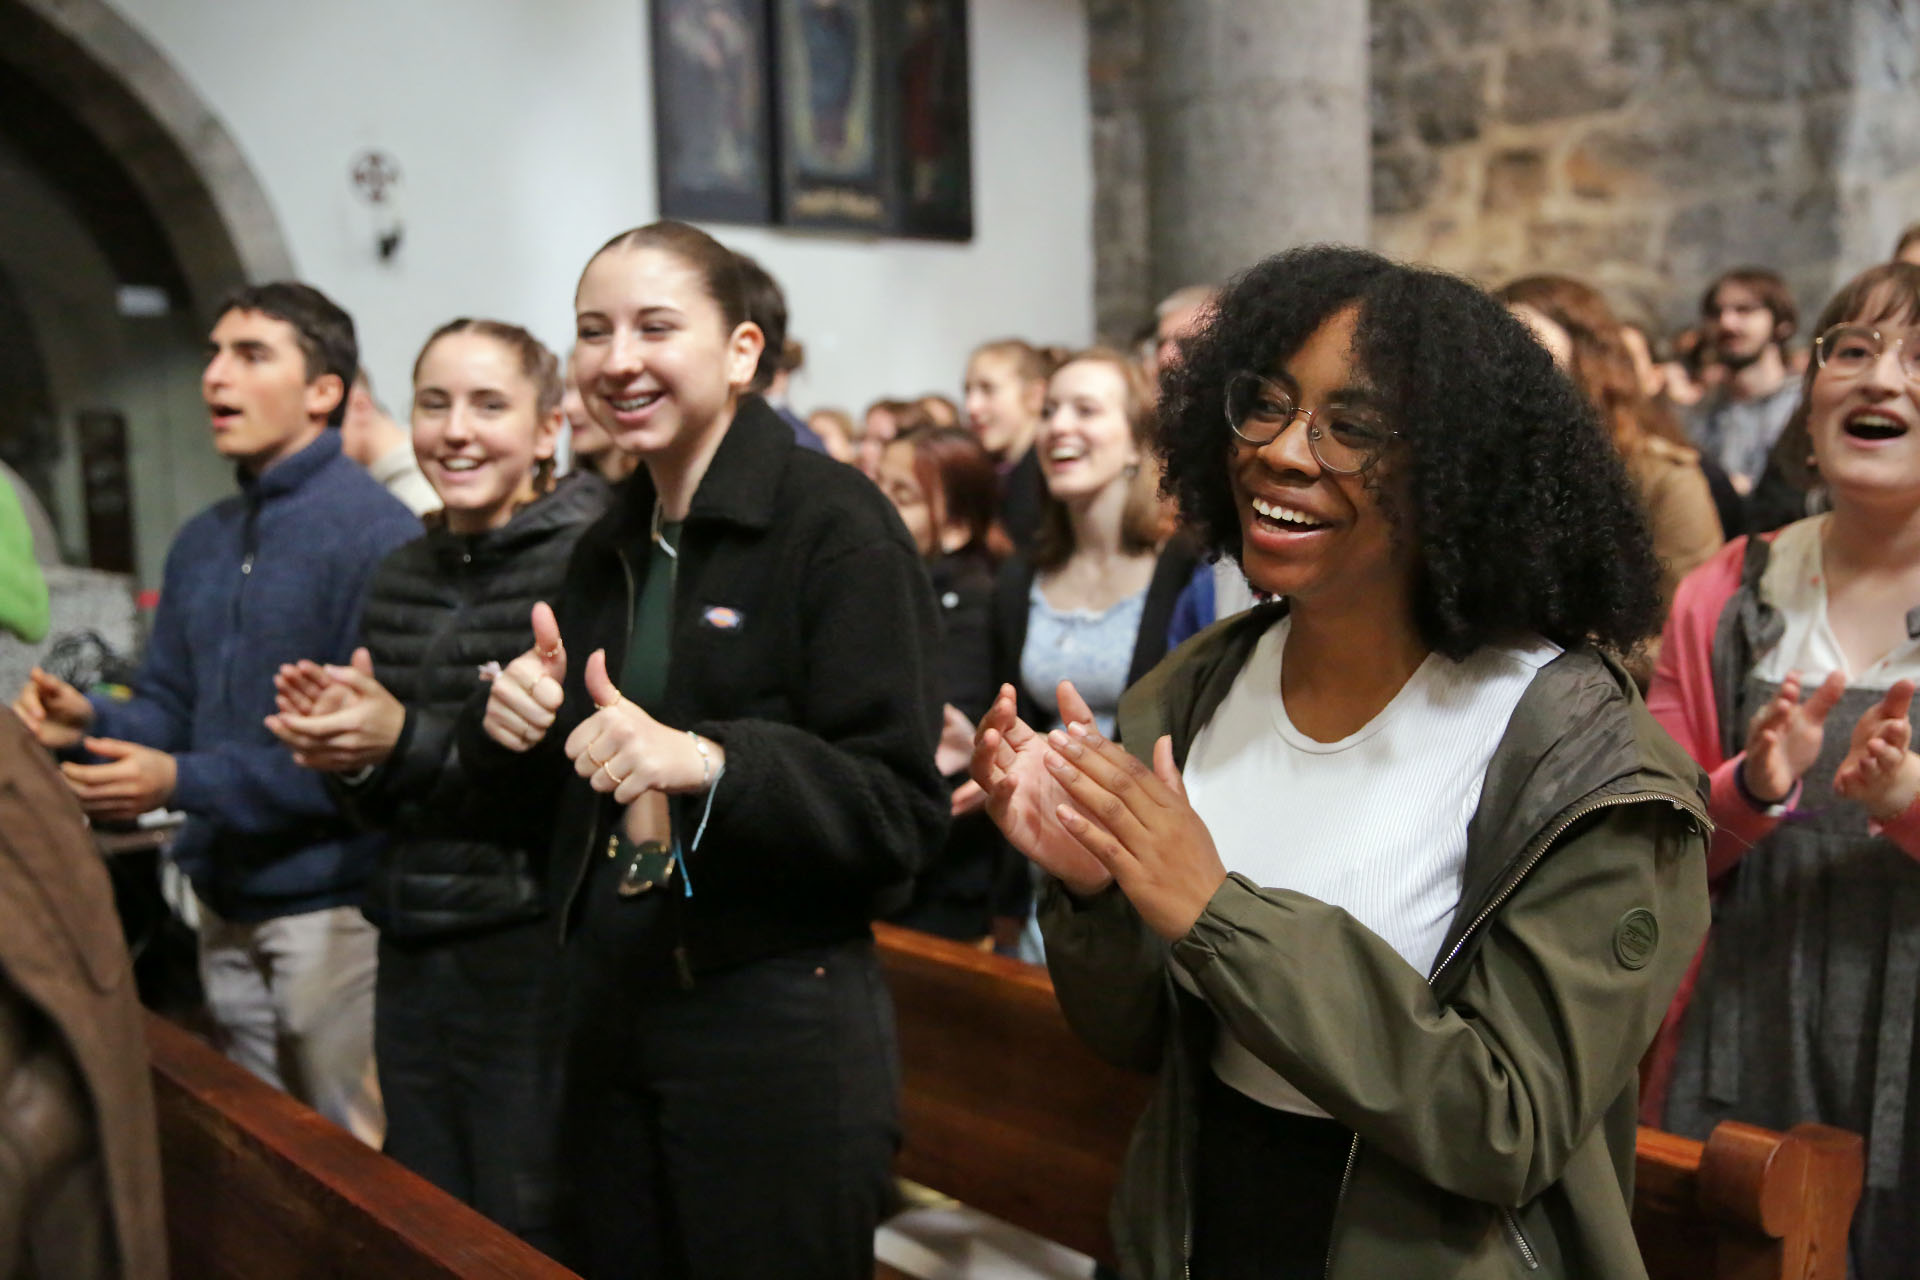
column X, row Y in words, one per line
column 527, row 695
column 622, row 750
column 336, row 719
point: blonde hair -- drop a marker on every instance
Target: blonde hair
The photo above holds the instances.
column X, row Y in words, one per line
column 1030, row 363
column 1143, row 522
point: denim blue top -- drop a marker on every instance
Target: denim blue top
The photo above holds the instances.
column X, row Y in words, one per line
column 1094, row 650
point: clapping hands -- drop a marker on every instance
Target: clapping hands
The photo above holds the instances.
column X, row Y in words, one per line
column 1881, row 773
column 1089, row 813
column 336, row 719
column 1784, row 738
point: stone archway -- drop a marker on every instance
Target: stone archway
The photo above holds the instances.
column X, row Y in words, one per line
column 86, row 61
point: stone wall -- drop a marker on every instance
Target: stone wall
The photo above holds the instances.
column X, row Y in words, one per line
column 1123, row 295
column 1641, row 144
column 1645, row 144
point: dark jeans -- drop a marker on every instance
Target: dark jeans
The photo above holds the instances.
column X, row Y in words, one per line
column 1266, row 1184
column 741, row 1128
column 467, row 1041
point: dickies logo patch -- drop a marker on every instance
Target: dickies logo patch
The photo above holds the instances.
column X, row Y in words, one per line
column 722, row 618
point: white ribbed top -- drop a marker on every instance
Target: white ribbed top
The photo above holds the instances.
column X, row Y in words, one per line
column 1375, row 823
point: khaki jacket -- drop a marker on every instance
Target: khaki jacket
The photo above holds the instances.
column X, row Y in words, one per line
column 80, row 1195
column 1492, row 1102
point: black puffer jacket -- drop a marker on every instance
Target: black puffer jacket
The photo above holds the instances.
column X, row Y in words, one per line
column 461, row 857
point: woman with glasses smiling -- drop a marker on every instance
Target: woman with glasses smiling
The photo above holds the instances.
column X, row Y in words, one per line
column 1788, row 671
column 1396, row 875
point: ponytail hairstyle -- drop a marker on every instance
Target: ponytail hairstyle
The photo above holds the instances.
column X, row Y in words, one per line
column 1030, row 363
column 541, row 367
column 719, row 267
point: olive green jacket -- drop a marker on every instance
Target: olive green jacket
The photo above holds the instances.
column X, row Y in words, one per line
column 1492, row 1102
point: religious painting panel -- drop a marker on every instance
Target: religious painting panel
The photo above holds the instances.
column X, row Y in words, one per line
column 933, row 152
column 713, row 127
column 833, row 155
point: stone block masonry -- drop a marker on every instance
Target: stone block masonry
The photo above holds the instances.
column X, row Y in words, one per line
column 1645, row 144
column 1641, row 144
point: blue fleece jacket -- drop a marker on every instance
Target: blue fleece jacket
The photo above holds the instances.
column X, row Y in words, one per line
column 271, row 575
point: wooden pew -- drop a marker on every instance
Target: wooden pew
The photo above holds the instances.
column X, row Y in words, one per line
column 1748, row 1203
column 1005, row 1110
column 259, row 1185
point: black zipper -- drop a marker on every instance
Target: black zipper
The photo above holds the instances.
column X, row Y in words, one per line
column 1566, row 820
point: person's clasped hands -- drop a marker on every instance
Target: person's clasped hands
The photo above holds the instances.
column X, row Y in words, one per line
column 336, row 719
column 1881, row 772
column 1091, row 815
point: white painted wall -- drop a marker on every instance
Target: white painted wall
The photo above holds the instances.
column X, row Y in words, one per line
column 147, row 369
column 524, row 132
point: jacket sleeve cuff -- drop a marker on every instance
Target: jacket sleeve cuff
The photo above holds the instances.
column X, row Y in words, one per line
column 1733, row 812
column 1903, row 830
column 106, row 717
column 194, row 783
column 1214, row 931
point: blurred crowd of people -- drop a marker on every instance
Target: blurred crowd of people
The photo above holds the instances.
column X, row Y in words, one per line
column 536, row 820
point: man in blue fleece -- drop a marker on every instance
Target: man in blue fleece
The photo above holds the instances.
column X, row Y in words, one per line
column 271, row 575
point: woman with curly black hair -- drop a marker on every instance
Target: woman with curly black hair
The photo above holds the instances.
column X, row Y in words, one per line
column 1404, row 874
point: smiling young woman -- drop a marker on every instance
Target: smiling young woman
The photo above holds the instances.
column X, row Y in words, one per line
column 941, row 480
column 1788, row 672
column 1005, row 391
column 1400, row 874
column 466, row 1025
column 738, row 779
column 1091, row 602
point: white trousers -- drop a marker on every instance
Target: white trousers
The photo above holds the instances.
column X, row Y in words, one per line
column 292, row 999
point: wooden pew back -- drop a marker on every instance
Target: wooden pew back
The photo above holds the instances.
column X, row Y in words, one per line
column 1007, row 1111
column 259, row 1185
column 1003, row 1107
column 1748, row 1203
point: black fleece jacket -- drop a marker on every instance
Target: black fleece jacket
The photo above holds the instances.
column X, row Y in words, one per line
column 461, row 856
column 805, row 641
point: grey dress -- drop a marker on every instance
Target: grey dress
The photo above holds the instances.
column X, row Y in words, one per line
column 1805, row 1004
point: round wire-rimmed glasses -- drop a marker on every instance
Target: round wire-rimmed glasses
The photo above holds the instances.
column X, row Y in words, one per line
column 1260, row 409
column 1849, row 350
